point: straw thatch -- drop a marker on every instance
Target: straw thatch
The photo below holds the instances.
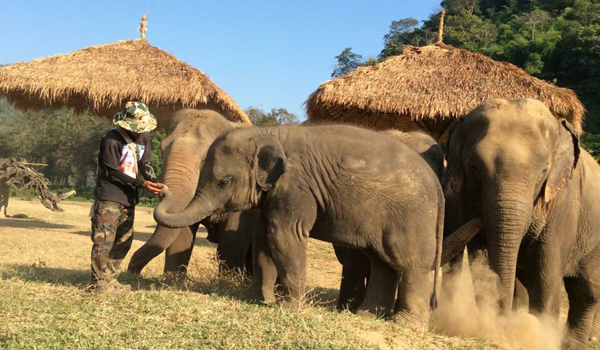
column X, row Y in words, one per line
column 427, row 87
column 102, row 78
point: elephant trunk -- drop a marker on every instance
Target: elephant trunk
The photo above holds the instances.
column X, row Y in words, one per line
column 455, row 243
column 506, row 221
column 201, row 207
column 181, row 175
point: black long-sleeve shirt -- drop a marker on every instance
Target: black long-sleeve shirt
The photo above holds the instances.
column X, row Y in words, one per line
column 117, row 179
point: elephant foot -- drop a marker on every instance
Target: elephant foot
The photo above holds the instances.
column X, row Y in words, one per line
column 350, row 305
column 570, row 343
column 373, row 313
column 134, row 270
column 258, row 295
column 366, row 314
column 411, row 321
column 289, row 303
column 175, row 277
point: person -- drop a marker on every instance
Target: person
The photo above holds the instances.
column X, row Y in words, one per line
column 124, row 166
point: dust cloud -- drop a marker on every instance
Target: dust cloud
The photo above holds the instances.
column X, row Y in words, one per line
column 459, row 315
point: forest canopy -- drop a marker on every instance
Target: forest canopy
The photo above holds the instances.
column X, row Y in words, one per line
column 555, row 40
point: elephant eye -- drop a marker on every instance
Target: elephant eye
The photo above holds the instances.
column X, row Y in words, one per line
column 223, row 183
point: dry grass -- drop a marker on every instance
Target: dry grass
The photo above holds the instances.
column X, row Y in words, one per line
column 431, row 83
column 44, row 267
column 105, row 76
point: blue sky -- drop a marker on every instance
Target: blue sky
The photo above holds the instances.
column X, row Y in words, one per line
column 265, row 54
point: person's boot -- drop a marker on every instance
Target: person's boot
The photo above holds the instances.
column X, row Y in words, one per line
column 112, row 288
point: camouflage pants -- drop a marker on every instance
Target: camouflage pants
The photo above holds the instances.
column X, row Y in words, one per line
column 112, row 234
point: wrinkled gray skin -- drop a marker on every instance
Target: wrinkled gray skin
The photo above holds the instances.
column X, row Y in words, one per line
column 349, row 186
column 514, row 164
column 189, row 135
column 356, row 267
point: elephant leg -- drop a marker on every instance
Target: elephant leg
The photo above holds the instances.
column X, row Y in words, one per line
column 232, row 253
column 477, row 252
column 235, row 241
column 381, row 290
column 355, row 272
column 413, row 298
column 289, row 256
column 177, row 256
column 583, row 303
column 264, row 274
column 542, row 280
column 161, row 239
column 521, row 297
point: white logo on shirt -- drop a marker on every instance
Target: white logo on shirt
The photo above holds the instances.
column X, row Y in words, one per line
column 127, row 162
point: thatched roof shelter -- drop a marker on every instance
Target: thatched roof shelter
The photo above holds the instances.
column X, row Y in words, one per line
column 102, row 78
column 427, row 87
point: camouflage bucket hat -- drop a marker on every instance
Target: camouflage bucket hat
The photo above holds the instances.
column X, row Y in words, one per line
column 135, row 117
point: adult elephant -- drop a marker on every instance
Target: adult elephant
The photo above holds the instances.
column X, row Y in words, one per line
column 190, row 133
column 356, row 266
column 523, row 170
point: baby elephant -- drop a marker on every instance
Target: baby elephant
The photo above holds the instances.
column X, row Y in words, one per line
column 341, row 184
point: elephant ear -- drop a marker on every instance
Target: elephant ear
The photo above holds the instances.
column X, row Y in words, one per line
column 564, row 160
column 269, row 161
column 454, row 171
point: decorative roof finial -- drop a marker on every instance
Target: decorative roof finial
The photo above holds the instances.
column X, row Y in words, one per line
column 441, row 28
column 143, row 26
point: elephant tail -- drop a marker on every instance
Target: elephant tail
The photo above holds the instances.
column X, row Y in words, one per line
column 439, row 240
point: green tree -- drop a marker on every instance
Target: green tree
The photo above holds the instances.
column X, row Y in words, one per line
column 470, row 7
column 66, row 141
column 403, row 31
column 347, row 61
column 258, row 117
column 156, row 137
column 556, row 40
column 470, row 32
column 277, row 116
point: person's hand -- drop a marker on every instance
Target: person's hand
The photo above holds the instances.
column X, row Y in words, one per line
column 153, row 187
column 161, row 186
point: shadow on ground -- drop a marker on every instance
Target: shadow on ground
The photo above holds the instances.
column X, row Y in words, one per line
column 38, row 272
column 230, row 284
column 30, row 223
column 145, row 236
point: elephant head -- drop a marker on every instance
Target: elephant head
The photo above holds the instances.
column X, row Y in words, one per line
column 189, row 135
column 240, row 167
column 504, row 159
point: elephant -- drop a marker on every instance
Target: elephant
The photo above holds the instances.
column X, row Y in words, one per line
column 342, row 184
column 190, row 133
column 514, row 164
column 355, row 264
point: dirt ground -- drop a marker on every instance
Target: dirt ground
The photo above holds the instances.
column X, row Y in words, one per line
column 61, row 240
column 56, row 246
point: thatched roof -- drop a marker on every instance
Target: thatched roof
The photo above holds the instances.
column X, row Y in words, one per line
column 428, row 87
column 102, row 78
